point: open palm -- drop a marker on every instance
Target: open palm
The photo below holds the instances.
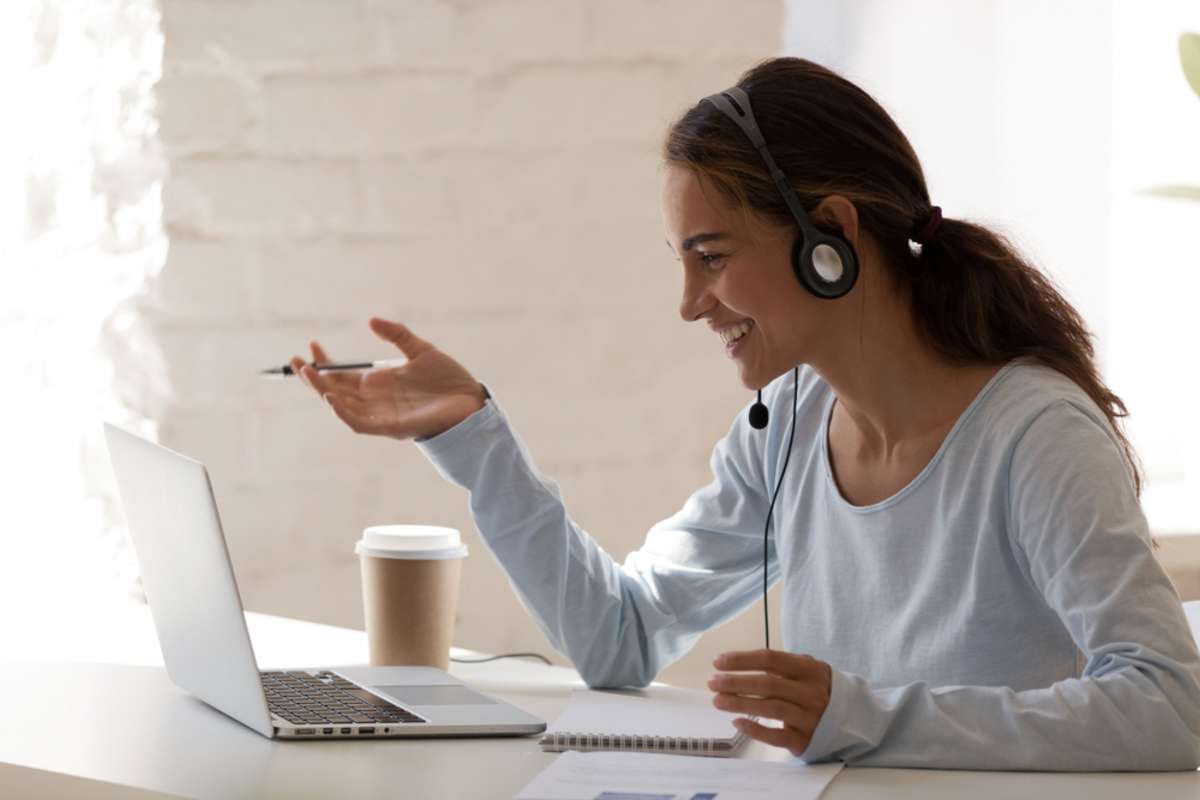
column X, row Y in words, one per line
column 423, row 397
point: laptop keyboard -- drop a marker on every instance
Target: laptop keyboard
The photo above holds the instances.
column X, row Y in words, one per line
column 306, row 699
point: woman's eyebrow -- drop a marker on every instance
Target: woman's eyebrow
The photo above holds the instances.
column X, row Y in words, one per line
column 699, row 238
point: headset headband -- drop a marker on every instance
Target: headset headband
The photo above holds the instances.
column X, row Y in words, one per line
column 735, row 104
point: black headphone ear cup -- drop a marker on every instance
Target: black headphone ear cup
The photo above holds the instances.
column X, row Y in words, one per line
column 827, row 267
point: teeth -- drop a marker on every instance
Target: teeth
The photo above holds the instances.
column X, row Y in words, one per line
column 730, row 335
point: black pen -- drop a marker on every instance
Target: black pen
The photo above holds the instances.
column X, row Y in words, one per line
column 286, row 369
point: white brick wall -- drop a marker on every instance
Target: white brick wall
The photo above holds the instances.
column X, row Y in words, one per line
column 486, row 172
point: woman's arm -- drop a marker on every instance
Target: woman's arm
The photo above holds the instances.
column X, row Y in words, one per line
column 619, row 624
column 1076, row 524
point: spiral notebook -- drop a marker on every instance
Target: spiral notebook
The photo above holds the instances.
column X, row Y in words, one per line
column 666, row 719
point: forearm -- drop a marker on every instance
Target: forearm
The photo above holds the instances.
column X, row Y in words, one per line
column 1135, row 717
column 588, row 608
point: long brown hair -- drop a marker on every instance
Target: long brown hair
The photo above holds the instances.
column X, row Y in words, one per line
column 975, row 299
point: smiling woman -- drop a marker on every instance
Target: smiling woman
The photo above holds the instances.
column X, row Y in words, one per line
column 968, row 579
column 972, row 299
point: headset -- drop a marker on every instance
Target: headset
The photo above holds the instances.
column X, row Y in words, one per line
column 824, row 263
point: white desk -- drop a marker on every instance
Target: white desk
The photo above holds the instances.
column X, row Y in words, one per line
column 103, row 708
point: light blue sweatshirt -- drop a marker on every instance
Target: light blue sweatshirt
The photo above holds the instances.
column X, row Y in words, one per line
column 1004, row 610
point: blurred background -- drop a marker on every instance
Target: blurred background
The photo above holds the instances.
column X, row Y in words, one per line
column 192, row 190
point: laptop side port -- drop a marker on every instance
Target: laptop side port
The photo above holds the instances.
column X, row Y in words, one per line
column 305, row 731
column 365, row 731
column 346, row 730
column 326, row 731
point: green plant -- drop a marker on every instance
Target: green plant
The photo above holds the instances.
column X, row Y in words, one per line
column 1189, row 58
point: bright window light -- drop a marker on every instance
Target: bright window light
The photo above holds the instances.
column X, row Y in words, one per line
column 80, row 233
column 1155, row 331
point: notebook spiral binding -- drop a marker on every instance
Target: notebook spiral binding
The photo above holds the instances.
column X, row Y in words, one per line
column 647, row 744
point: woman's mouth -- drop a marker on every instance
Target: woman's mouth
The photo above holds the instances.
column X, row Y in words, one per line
column 735, row 337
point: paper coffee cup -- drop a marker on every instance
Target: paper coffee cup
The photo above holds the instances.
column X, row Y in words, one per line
column 410, row 577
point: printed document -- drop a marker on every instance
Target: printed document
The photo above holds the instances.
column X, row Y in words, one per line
column 658, row 776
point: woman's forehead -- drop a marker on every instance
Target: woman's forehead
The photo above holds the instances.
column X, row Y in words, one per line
column 692, row 206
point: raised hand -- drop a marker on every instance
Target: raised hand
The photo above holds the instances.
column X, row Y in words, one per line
column 427, row 395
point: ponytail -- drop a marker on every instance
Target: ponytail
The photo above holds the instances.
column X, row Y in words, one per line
column 976, row 300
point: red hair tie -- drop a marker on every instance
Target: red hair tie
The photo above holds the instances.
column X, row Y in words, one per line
column 930, row 227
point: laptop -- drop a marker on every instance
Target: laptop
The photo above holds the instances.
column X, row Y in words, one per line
column 194, row 600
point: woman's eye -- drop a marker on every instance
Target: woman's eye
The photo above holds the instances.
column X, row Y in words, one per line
column 710, row 259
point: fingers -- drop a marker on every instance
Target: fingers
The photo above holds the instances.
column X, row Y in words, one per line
column 795, row 741
column 297, row 365
column 803, row 696
column 790, row 687
column 768, row 695
column 342, row 380
column 346, row 405
column 778, row 662
column 316, row 380
column 758, row 683
column 321, row 382
column 760, row 707
column 409, row 343
column 802, row 717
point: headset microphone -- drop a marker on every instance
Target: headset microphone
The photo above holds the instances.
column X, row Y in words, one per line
column 758, row 414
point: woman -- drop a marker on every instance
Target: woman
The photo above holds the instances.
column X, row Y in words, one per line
column 968, row 577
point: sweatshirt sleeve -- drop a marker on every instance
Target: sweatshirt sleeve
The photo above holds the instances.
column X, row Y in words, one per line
column 620, row 624
column 1075, row 521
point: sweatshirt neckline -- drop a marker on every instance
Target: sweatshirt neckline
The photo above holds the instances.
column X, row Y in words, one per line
column 831, row 484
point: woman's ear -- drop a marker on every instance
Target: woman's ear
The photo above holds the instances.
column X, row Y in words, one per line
column 836, row 214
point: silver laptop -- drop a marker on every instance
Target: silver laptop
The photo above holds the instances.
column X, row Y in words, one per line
column 197, row 610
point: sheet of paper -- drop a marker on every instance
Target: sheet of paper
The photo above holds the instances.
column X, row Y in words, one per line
column 654, row 776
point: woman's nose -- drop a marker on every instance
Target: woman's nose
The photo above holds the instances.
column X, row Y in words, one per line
column 696, row 300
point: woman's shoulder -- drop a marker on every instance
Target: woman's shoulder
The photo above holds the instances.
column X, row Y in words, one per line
column 1030, row 387
column 1053, row 438
column 1027, row 392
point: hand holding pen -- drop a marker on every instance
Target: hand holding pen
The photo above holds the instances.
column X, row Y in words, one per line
column 420, row 396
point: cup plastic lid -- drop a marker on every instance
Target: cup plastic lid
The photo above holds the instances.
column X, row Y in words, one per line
column 411, row 541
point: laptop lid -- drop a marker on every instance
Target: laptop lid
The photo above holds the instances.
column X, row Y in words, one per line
column 187, row 576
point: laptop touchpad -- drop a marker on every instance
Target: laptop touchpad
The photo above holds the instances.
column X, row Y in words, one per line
column 434, row 695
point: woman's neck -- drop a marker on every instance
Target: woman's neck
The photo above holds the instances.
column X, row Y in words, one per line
column 894, row 390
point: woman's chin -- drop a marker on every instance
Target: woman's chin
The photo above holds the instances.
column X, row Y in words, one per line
column 754, row 377
column 751, row 378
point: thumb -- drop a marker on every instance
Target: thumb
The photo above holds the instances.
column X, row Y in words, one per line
column 409, row 343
